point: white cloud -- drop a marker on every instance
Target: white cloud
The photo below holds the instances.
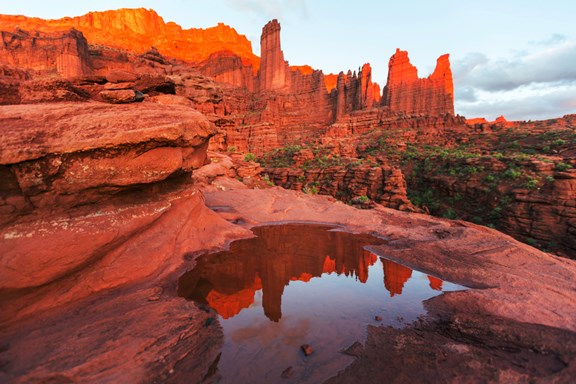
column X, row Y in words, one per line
column 529, row 85
column 555, row 63
column 530, row 102
column 552, row 40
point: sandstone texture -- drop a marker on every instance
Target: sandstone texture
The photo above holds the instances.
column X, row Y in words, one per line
column 512, row 303
column 71, row 154
column 64, row 53
column 273, row 68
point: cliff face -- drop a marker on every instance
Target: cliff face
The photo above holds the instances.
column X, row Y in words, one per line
column 384, row 185
column 407, row 93
column 228, row 68
column 64, row 53
column 137, row 30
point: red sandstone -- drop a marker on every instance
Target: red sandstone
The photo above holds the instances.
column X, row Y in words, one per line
column 405, row 92
column 99, row 215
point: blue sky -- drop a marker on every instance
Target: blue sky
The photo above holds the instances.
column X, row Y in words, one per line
column 511, row 58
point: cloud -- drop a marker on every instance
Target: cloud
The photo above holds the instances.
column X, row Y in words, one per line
column 555, row 38
column 552, row 64
column 530, row 102
column 466, row 94
column 527, row 85
column 270, row 9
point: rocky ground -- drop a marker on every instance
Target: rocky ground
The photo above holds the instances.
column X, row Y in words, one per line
column 108, row 188
column 111, row 321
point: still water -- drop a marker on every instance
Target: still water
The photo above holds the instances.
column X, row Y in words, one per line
column 298, row 284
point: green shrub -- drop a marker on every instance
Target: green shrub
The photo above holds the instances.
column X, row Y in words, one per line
column 310, row 189
column 532, row 183
column 249, row 157
column 363, row 199
column 562, row 166
column 490, row 179
column 231, row 149
column 450, row 214
column 513, row 173
column 266, row 179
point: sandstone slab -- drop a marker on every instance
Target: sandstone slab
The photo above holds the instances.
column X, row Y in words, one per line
column 522, row 298
column 74, row 153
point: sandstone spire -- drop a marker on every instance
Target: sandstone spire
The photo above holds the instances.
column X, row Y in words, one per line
column 405, row 92
column 273, row 68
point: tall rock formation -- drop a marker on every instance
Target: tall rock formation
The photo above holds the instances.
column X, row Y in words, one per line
column 273, row 68
column 405, row 92
column 356, row 91
column 65, row 53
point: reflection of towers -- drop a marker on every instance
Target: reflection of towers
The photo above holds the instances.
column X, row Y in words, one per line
column 227, row 280
column 229, row 306
column 435, row 283
column 395, row 276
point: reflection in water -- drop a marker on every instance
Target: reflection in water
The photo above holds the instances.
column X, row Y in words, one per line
column 279, row 271
column 279, row 254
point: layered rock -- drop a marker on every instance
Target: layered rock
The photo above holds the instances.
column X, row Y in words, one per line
column 291, row 104
column 544, row 214
column 62, row 53
column 268, row 106
column 137, row 30
column 273, row 69
column 71, row 154
column 384, row 185
column 407, row 93
column 228, row 68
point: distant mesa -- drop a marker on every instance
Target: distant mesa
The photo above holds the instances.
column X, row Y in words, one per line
column 137, row 30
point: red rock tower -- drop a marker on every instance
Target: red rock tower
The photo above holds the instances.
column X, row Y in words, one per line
column 395, row 276
column 405, row 92
column 273, row 68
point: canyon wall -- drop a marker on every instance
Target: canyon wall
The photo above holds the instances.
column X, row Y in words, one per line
column 137, row 30
column 382, row 184
column 63, row 53
column 542, row 214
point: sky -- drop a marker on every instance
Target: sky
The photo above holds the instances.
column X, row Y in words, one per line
column 515, row 58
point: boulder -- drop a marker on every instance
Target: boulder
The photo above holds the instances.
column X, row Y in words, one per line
column 121, row 96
